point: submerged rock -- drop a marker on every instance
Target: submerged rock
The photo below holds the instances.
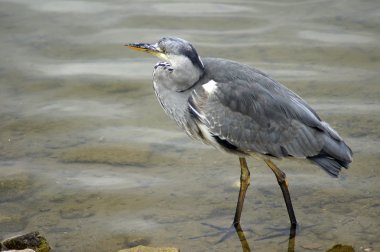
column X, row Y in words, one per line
column 32, row 240
column 11, row 220
column 341, row 248
column 133, row 241
column 15, row 187
column 107, row 154
column 149, row 249
column 75, row 213
column 24, row 250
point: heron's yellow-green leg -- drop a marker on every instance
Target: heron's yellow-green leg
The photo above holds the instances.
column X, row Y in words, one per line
column 244, row 183
column 282, row 181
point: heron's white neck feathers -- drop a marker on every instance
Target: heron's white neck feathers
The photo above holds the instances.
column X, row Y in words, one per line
column 183, row 75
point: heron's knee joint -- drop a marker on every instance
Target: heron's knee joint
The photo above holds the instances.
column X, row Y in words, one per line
column 281, row 178
column 244, row 176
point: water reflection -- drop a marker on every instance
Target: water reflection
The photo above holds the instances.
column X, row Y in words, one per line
column 237, row 229
column 244, row 243
column 291, row 241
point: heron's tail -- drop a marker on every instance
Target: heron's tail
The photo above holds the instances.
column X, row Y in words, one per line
column 334, row 155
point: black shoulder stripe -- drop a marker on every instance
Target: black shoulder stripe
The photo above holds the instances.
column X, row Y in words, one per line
column 225, row 143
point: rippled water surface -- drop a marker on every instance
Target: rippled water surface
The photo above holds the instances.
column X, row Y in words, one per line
column 88, row 158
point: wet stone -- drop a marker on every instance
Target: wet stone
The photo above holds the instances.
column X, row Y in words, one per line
column 31, row 240
column 133, row 241
column 341, row 248
column 24, row 250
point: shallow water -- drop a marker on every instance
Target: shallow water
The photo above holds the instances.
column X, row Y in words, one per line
column 88, row 158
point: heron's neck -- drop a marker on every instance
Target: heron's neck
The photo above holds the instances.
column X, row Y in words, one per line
column 185, row 77
column 174, row 103
column 173, row 83
column 179, row 74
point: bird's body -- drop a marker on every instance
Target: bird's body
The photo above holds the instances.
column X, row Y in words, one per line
column 241, row 110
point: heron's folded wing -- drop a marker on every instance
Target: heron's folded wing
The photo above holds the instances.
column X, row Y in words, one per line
column 267, row 119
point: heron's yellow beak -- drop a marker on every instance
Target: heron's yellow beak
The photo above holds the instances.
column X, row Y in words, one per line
column 149, row 48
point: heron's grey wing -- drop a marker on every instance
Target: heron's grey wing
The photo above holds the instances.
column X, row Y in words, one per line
column 267, row 119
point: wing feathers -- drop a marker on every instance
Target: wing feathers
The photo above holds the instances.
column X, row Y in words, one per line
column 277, row 123
column 254, row 113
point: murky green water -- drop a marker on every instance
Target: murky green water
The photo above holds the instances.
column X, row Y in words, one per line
column 88, row 158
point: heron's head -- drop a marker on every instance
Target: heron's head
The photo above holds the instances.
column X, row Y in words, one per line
column 173, row 50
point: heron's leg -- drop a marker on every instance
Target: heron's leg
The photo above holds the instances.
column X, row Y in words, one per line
column 282, row 181
column 244, row 183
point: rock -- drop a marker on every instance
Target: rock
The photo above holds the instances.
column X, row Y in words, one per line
column 24, row 250
column 341, row 248
column 149, row 249
column 133, row 241
column 33, row 241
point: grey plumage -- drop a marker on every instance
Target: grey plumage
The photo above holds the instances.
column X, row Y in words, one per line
column 242, row 110
column 256, row 114
column 248, row 112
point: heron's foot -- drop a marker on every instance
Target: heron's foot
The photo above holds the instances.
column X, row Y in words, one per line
column 222, row 232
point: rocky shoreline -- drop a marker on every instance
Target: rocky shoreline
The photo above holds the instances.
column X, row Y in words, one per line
column 35, row 242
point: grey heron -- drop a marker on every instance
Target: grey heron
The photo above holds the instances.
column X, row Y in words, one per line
column 241, row 110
